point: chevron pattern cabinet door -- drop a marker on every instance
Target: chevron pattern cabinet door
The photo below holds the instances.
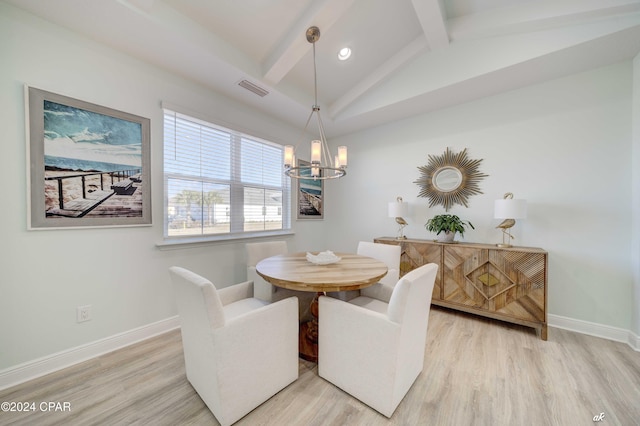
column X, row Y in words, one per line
column 509, row 284
column 497, row 281
column 414, row 254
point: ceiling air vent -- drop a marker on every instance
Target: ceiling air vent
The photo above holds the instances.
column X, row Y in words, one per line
column 253, row 88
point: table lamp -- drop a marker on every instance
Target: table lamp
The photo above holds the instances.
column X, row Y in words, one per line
column 398, row 209
column 509, row 209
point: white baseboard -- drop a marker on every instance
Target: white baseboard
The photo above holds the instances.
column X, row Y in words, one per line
column 634, row 341
column 597, row 330
column 48, row 364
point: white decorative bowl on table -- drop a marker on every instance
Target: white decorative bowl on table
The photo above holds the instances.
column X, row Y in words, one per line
column 323, row 258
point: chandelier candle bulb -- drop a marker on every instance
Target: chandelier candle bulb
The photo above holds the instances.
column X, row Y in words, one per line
column 342, row 156
column 316, row 152
column 288, row 156
column 337, row 161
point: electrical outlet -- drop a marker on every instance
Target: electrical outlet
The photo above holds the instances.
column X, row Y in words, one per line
column 83, row 313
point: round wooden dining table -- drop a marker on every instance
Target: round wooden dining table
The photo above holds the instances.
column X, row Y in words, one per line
column 295, row 272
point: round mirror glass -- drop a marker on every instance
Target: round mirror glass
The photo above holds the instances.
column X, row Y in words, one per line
column 447, row 179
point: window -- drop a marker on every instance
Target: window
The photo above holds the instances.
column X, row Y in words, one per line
column 220, row 183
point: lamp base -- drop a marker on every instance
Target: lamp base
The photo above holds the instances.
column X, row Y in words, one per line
column 400, row 235
column 506, row 238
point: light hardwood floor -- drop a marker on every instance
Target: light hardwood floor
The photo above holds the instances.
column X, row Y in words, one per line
column 477, row 372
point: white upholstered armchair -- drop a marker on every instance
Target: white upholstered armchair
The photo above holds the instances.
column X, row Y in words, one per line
column 375, row 350
column 390, row 255
column 255, row 253
column 238, row 350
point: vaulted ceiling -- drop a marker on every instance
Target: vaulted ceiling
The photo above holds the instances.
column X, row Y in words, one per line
column 409, row 56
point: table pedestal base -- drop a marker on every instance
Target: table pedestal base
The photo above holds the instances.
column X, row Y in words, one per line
column 307, row 347
column 308, row 335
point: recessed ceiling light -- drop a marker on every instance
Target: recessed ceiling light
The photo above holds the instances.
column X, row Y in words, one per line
column 344, row 53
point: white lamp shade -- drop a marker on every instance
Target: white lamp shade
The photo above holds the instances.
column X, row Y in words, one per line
column 398, row 209
column 509, row 208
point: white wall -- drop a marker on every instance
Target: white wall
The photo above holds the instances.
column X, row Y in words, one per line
column 635, row 206
column 119, row 271
column 564, row 146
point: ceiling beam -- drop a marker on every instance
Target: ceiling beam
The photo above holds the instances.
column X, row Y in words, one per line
column 409, row 52
column 536, row 16
column 294, row 45
column 140, row 5
column 430, row 13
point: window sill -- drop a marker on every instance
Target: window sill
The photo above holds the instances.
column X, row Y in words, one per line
column 189, row 242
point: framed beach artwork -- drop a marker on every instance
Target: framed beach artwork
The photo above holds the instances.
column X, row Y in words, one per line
column 87, row 165
column 310, row 196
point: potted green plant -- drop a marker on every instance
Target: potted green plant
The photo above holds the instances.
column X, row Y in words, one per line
column 447, row 225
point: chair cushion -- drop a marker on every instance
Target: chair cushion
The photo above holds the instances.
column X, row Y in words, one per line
column 243, row 306
column 378, row 291
column 370, row 303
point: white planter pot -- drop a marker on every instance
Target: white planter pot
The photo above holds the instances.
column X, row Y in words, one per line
column 446, row 237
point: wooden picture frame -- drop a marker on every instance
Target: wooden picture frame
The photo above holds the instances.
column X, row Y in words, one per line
column 310, row 195
column 87, row 165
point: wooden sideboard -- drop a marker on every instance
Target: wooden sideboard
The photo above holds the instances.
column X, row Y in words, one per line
column 508, row 284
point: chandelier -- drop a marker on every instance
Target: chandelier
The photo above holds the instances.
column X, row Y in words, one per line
column 322, row 166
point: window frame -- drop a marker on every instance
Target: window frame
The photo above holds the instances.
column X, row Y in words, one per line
column 235, row 183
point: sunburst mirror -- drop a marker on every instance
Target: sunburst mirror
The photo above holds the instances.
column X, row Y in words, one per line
column 450, row 179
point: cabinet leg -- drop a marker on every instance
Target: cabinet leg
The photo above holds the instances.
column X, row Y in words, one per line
column 543, row 332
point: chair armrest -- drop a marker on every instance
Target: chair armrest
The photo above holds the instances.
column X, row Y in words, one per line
column 236, row 292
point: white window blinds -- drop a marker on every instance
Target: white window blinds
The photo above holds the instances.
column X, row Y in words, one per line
column 220, row 182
